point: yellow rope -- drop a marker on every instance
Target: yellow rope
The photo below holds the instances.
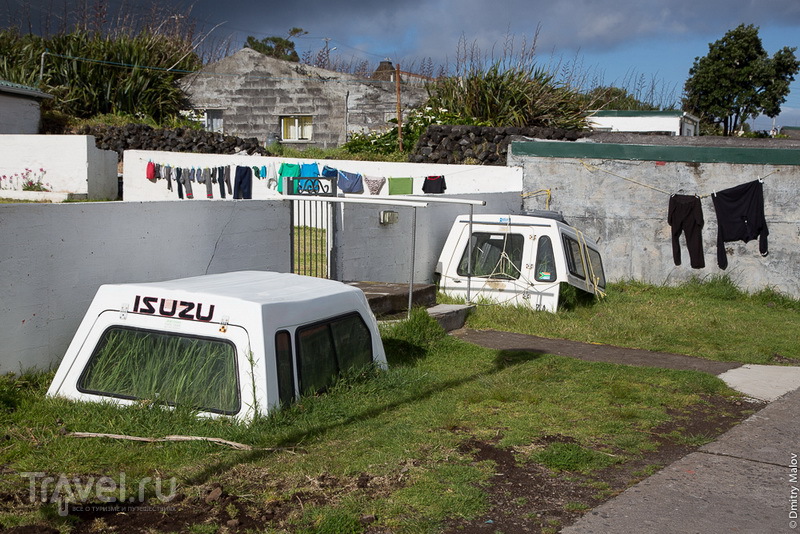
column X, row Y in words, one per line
column 537, row 193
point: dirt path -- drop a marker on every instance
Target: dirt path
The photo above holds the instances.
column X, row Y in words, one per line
column 495, row 339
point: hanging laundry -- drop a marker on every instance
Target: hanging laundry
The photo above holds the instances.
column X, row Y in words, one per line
column 188, row 178
column 309, row 170
column 271, row 175
column 228, row 179
column 349, row 182
column 329, row 172
column 740, row 217
column 434, row 184
column 263, row 172
column 287, row 170
column 168, row 175
column 243, row 182
column 221, row 181
column 401, row 186
column 685, row 215
column 150, row 171
column 179, row 181
column 374, row 184
column 256, row 171
column 208, row 182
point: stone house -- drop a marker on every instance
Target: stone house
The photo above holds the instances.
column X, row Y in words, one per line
column 249, row 94
column 20, row 108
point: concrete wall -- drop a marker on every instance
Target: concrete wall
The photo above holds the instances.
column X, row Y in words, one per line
column 461, row 179
column 254, row 91
column 68, row 164
column 53, row 257
column 629, row 219
column 19, row 115
column 370, row 251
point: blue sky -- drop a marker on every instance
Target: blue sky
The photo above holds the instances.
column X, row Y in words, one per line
column 635, row 44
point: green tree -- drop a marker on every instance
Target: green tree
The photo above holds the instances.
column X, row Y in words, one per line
column 277, row 47
column 738, row 80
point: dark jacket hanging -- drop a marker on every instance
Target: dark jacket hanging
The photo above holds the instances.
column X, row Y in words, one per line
column 740, row 216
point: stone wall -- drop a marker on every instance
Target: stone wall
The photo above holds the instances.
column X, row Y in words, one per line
column 143, row 137
column 480, row 145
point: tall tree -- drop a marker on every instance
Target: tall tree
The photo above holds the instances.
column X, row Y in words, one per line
column 738, row 80
column 277, row 47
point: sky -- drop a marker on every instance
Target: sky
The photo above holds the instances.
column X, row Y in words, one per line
column 645, row 46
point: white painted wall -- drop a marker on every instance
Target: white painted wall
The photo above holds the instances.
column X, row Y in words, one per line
column 460, row 178
column 674, row 125
column 69, row 163
column 53, row 257
column 370, row 251
column 19, row 115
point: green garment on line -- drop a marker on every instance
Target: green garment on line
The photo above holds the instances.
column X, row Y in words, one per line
column 401, row 186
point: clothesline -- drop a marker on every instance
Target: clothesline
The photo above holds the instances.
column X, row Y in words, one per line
column 592, row 168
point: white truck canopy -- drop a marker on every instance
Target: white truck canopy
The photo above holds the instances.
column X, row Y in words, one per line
column 234, row 344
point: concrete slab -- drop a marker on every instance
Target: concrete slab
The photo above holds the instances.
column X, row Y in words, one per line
column 387, row 298
column 771, row 435
column 764, row 382
column 701, row 493
column 746, row 481
column 451, row 316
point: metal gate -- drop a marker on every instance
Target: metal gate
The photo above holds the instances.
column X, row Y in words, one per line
column 313, row 226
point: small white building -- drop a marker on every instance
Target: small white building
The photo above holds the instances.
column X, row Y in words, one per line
column 20, row 111
column 661, row 122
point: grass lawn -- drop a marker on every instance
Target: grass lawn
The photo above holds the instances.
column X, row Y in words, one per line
column 396, row 450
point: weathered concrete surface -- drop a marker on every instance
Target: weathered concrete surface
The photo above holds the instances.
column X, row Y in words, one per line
column 746, row 481
column 254, row 91
column 622, row 204
column 763, row 382
column 53, row 257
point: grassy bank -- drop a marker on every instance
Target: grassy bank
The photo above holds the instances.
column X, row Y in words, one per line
column 711, row 319
column 391, row 450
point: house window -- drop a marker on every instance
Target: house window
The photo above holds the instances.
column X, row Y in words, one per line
column 296, row 128
column 213, row 120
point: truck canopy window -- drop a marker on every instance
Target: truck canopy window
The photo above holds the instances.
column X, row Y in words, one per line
column 572, row 249
column 545, row 261
column 494, row 256
column 285, row 366
column 325, row 350
column 132, row 363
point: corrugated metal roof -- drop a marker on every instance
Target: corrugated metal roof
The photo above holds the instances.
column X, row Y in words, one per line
column 15, row 88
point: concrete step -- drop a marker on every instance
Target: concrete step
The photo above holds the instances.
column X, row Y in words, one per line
column 451, row 316
column 387, row 298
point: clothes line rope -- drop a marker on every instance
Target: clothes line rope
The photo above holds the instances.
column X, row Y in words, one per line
column 592, row 168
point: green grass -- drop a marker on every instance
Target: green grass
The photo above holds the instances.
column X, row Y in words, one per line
column 404, row 430
column 310, row 256
column 710, row 319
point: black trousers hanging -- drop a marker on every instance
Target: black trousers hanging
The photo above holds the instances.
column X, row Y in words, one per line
column 685, row 215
